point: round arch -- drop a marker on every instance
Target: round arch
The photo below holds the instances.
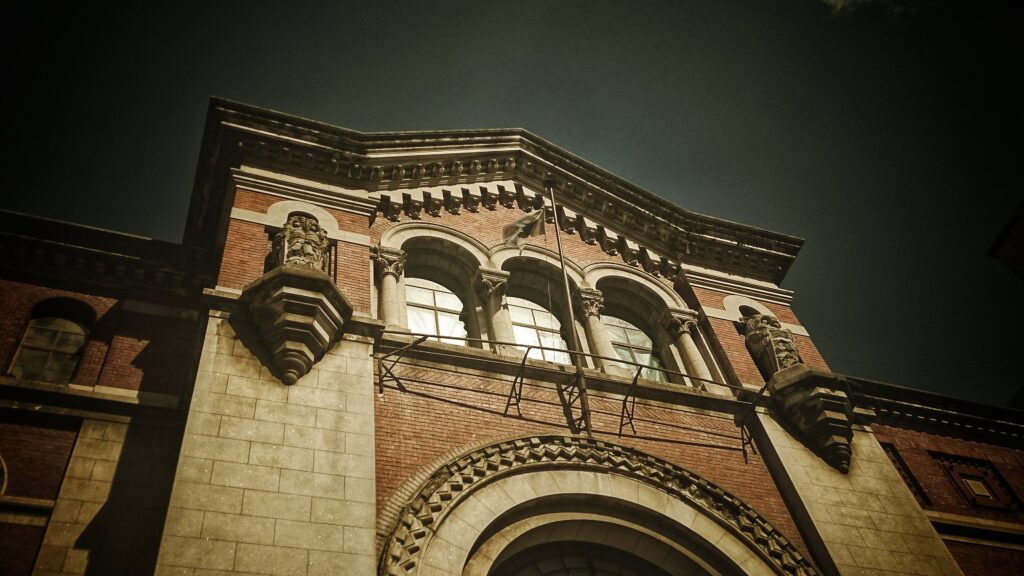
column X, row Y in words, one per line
column 481, row 507
column 594, row 273
column 278, row 212
column 397, row 236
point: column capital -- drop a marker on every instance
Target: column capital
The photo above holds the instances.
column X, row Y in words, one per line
column 680, row 321
column 389, row 261
column 488, row 282
column 590, row 303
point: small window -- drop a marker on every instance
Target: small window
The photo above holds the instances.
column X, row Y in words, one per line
column 535, row 326
column 633, row 345
column 434, row 309
column 53, row 341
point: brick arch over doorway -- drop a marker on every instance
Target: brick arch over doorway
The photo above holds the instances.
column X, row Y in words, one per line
column 446, row 523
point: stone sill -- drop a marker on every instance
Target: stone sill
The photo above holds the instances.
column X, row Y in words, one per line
column 85, row 401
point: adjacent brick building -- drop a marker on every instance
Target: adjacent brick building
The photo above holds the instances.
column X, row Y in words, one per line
column 362, row 359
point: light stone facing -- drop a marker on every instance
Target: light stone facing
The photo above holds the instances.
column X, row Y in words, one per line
column 272, row 479
column 868, row 519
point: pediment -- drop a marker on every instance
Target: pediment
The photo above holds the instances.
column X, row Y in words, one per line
column 456, row 172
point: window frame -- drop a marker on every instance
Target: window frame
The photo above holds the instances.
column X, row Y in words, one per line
column 435, row 287
column 550, row 353
column 652, row 370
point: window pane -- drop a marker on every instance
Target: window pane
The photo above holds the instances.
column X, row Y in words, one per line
column 448, row 300
column 525, row 336
column 69, row 343
column 557, row 357
column 616, row 334
column 554, row 340
column 419, row 295
column 520, row 315
column 59, row 368
column 450, row 325
column 421, row 320
column 546, row 320
column 623, row 353
column 30, row 364
column 638, row 338
column 39, row 337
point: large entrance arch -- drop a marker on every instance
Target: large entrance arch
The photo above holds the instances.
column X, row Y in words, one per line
column 554, row 503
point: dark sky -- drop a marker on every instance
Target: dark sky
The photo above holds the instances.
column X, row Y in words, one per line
column 888, row 139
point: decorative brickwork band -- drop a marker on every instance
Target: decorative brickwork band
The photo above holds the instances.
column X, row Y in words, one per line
column 456, row 481
column 300, row 242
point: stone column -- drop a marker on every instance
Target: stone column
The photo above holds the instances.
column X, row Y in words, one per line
column 589, row 307
column 491, row 285
column 680, row 323
column 390, row 267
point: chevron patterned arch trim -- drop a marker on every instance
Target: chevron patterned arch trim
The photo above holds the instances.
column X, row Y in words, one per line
column 461, row 476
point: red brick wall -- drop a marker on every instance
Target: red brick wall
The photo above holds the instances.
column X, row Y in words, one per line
column 19, row 546
column 734, row 346
column 979, row 560
column 417, row 426
column 914, row 447
column 36, row 448
column 125, row 350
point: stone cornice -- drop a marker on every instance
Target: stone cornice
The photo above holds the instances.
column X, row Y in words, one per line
column 38, row 247
column 388, row 161
column 918, row 410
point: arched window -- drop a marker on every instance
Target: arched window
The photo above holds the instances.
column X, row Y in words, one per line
column 533, row 325
column 633, row 345
column 53, row 341
column 433, row 309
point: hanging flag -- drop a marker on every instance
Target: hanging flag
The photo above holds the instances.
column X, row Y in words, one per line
column 529, row 225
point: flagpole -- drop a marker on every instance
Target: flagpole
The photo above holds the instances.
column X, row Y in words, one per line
column 549, row 183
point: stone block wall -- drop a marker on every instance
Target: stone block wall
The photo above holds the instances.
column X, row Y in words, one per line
column 863, row 522
column 274, row 479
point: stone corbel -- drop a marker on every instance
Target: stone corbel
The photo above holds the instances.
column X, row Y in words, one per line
column 812, row 403
column 608, row 240
column 413, row 206
column 452, row 202
column 488, row 198
column 588, row 232
column 432, row 203
column 506, row 197
column 471, row 200
column 295, row 308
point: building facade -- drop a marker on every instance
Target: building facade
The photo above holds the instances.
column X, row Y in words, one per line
column 365, row 358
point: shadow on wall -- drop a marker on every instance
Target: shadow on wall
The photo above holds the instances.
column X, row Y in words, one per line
column 124, row 535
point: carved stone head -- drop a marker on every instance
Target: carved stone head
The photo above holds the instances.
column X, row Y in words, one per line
column 300, row 242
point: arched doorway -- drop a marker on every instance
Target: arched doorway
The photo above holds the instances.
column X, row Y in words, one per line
column 549, row 503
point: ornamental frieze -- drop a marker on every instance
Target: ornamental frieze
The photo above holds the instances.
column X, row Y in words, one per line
column 681, row 236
